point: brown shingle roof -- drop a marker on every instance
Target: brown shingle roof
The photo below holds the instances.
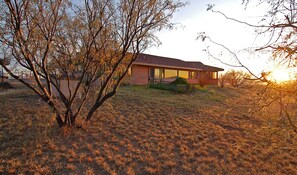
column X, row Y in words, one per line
column 158, row 61
column 206, row 67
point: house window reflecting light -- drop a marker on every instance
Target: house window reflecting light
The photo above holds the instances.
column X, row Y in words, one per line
column 170, row 73
column 183, row 74
column 159, row 73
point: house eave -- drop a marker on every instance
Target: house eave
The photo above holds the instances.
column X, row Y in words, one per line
column 166, row 66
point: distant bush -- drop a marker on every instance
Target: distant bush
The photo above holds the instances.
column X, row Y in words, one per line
column 234, row 78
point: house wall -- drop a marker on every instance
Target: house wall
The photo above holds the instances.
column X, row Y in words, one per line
column 205, row 79
column 139, row 75
column 193, row 81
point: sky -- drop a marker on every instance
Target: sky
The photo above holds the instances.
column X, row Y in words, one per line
column 181, row 42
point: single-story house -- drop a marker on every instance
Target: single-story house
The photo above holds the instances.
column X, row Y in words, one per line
column 153, row 69
column 148, row 69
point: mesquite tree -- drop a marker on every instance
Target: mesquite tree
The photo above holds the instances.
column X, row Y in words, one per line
column 235, row 78
column 279, row 27
column 78, row 54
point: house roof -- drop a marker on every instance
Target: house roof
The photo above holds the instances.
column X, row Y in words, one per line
column 206, row 67
column 158, row 61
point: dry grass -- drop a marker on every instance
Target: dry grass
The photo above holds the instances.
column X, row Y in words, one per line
column 145, row 131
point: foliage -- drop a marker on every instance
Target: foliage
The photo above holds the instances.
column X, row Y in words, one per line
column 179, row 85
column 78, row 54
column 180, row 80
column 178, row 88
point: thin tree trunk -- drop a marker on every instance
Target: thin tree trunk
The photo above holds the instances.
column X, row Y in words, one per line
column 55, row 110
column 69, row 118
column 59, row 120
column 91, row 112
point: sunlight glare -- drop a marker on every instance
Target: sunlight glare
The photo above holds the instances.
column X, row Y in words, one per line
column 280, row 75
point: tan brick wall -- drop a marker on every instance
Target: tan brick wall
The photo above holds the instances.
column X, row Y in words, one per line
column 139, row 75
column 211, row 82
column 193, row 81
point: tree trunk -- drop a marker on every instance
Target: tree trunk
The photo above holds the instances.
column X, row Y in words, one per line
column 58, row 116
column 59, row 120
column 69, row 119
column 91, row 112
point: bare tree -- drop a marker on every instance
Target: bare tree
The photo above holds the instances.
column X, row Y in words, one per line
column 234, row 78
column 76, row 53
column 279, row 26
column 223, row 80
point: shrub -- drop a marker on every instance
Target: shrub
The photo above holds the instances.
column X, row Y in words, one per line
column 180, row 80
column 180, row 85
column 169, row 87
column 5, row 85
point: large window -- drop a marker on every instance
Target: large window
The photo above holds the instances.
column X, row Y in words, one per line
column 156, row 73
column 170, row 73
column 159, row 73
column 183, row 74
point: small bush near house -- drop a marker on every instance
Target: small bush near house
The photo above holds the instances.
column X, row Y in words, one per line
column 180, row 80
column 180, row 85
column 168, row 87
column 5, row 85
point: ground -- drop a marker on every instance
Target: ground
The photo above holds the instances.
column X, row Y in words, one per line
column 145, row 131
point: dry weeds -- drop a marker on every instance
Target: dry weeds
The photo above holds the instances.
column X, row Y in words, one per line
column 145, row 131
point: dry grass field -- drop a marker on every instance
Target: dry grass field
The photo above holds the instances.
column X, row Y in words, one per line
column 146, row 131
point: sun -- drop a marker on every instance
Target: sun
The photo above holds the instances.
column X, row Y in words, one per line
column 281, row 75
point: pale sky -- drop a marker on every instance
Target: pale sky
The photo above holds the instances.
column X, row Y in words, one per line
column 181, row 43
